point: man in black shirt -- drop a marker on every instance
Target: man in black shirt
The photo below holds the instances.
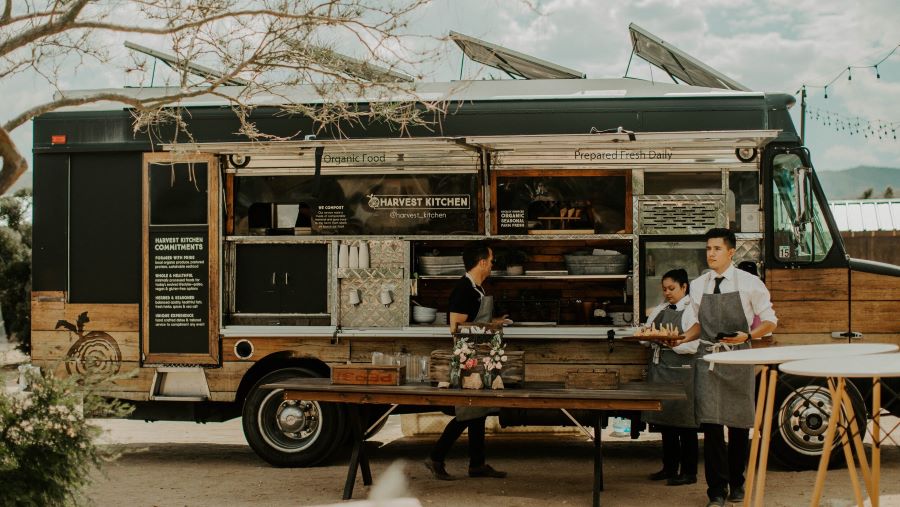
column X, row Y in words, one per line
column 468, row 303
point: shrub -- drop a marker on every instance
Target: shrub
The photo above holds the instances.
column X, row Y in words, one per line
column 15, row 266
column 47, row 446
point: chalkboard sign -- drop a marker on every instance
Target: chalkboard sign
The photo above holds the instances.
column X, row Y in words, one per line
column 179, row 314
column 178, row 194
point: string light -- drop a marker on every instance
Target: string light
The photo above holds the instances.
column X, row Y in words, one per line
column 881, row 130
column 849, row 71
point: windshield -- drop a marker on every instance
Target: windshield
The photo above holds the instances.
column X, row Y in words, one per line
column 798, row 237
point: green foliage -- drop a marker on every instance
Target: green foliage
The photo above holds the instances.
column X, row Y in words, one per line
column 47, row 446
column 15, row 265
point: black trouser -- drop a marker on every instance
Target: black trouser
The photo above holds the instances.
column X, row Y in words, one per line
column 724, row 464
column 679, row 448
column 452, row 432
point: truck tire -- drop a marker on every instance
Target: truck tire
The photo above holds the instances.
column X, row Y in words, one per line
column 291, row 433
column 802, row 409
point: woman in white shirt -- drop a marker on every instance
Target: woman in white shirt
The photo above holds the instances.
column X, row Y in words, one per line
column 676, row 421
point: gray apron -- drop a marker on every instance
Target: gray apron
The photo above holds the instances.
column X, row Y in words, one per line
column 669, row 367
column 485, row 314
column 724, row 392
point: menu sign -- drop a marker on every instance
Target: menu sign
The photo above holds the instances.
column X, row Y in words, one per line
column 178, row 321
column 513, row 221
column 179, row 291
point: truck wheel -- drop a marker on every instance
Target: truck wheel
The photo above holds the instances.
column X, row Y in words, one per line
column 802, row 410
column 293, row 433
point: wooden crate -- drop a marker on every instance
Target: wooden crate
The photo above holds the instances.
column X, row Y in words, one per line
column 368, row 374
column 592, row 378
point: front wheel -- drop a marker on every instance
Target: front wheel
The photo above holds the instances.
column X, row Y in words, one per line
column 802, row 410
column 291, row 433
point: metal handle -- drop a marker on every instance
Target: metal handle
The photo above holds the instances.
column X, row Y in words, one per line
column 285, row 278
column 273, row 278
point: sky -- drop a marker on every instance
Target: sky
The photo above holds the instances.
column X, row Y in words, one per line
column 768, row 45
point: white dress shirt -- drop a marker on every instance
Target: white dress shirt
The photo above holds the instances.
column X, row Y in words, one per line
column 754, row 294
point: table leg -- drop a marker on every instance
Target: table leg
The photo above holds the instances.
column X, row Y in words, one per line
column 598, row 460
column 857, row 440
column 766, row 438
column 754, row 441
column 358, row 458
column 848, row 454
column 829, row 438
column 876, row 440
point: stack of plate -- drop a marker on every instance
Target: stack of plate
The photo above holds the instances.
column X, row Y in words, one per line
column 423, row 314
column 441, row 265
column 440, row 319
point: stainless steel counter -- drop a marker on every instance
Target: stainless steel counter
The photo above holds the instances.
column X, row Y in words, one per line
column 511, row 332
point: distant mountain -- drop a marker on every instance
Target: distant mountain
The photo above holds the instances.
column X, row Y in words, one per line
column 851, row 183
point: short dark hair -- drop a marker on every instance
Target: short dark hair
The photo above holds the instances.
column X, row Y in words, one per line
column 679, row 276
column 748, row 266
column 475, row 253
column 726, row 234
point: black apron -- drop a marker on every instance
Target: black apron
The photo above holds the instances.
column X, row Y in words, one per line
column 724, row 392
column 485, row 314
column 669, row 367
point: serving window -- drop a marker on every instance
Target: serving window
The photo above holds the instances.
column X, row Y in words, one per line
column 562, row 202
column 357, row 204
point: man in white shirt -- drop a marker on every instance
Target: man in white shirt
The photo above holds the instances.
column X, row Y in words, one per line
column 725, row 300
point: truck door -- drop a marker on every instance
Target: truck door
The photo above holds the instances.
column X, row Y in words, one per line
column 180, row 302
column 806, row 270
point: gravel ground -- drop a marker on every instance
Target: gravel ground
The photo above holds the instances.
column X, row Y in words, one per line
column 209, row 465
column 187, row 464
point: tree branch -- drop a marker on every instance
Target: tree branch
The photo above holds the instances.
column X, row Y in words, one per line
column 14, row 164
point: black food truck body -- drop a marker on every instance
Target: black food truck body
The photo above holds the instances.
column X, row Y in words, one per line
column 215, row 266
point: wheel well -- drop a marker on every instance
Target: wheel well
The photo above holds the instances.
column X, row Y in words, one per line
column 274, row 362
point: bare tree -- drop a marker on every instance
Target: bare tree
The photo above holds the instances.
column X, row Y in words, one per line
column 271, row 45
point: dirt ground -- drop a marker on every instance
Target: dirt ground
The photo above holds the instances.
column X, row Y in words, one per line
column 184, row 464
column 187, row 464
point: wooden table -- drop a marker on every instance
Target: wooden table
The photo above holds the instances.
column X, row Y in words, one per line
column 632, row 396
column 837, row 370
column 769, row 358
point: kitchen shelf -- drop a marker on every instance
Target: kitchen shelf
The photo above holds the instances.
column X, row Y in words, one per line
column 533, row 277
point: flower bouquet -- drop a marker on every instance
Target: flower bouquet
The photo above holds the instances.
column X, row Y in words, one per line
column 493, row 363
column 462, row 361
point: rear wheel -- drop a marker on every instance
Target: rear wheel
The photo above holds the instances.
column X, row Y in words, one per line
column 291, row 433
column 802, row 410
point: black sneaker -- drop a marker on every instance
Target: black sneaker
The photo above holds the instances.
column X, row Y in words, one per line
column 681, row 480
column 438, row 471
column 716, row 502
column 661, row 475
column 486, row 471
column 736, row 495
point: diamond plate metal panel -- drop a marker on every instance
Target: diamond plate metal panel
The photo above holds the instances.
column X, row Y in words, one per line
column 681, row 214
column 388, row 260
column 747, row 250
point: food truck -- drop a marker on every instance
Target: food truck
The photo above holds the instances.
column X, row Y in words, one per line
column 212, row 267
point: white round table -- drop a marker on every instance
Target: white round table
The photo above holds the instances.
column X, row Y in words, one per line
column 837, row 370
column 765, row 400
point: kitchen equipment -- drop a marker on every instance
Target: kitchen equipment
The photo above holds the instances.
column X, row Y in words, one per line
column 621, row 318
column 436, row 265
column 423, row 314
column 344, row 256
column 364, row 254
column 600, row 262
column 354, row 257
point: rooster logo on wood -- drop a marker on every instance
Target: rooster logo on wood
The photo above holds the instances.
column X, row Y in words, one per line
column 95, row 352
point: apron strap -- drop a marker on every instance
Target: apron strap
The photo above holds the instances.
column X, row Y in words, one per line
column 712, row 348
